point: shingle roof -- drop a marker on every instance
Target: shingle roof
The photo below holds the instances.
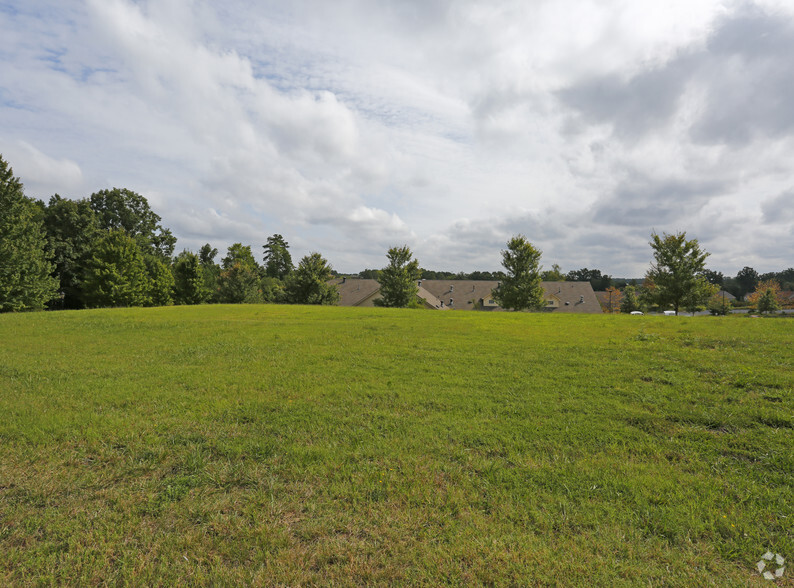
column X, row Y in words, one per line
column 574, row 297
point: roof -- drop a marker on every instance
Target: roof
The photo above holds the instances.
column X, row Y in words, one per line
column 574, row 297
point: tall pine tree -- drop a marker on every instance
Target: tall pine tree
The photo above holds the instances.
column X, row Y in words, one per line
column 25, row 268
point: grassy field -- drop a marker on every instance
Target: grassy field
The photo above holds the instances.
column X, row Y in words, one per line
column 291, row 445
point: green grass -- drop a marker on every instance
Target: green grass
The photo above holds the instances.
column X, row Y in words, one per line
column 265, row 445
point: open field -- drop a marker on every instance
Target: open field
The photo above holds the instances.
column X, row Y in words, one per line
column 294, row 445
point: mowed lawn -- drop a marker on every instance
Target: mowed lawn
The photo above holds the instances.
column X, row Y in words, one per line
column 279, row 445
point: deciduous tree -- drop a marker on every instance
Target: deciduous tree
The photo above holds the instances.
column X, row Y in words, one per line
column 520, row 289
column 116, row 274
column 309, row 283
column 188, row 279
column 72, row 228
column 120, row 208
column 674, row 276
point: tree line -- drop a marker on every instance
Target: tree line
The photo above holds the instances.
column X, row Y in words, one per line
column 110, row 249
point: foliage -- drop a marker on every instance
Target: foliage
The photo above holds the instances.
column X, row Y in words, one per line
column 747, row 279
column 161, row 281
column 630, row 302
column 398, row 280
column 189, row 285
column 239, row 282
column 25, row 267
column 521, row 288
column 72, row 228
column 673, row 278
column 116, row 275
column 713, row 277
column 278, row 261
column 369, row 274
column 211, row 272
column 121, row 208
column 309, row 283
column 614, row 301
column 767, row 302
column 761, row 291
column 239, row 254
column 718, row 305
column 699, row 295
column 599, row 282
column 553, row 275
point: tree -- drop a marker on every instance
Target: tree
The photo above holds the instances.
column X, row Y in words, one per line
column 614, row 300
column 309, row 283
column 211, row 271
column 398, row 280
column 278, row 261
column 239, row 278
column 698, row 296
column 718, row 306
column 760, row 291
column 188, row 279
column 520, row 289
column 599, row 282
column 239, row 253
column 72, row 228
column 161, row 281
column 713, row 277
column 747, row 278
column 120, row 208
column 25, row 267
column 673, row 278
column 116, row 274
column 553, row 275
column 630, row 302
column 767, row 302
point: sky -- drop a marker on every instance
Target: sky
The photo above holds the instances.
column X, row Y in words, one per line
column 353, row 126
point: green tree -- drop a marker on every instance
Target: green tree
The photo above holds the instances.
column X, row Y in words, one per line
column 239, row 279
column 718, row 305
column 116, row 275
column 520, row 289
column 309, row 283
column 553, row 275
column 698, row 297
column 72, row 228
column 599, row 282
column 211, row 271
column 25, row 268
column 747, row 279
column 674, row 276
column 278, row 261
column 398, row 280
column 239, row 283
column 188, row 279
column 161, row 281
column 120, row 208
column 239, row 254
column 767, row 302
column 629, row 302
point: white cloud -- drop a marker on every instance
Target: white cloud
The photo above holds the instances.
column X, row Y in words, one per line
column 353, row 126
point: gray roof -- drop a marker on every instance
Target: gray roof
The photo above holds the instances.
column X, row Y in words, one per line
column 469, row 294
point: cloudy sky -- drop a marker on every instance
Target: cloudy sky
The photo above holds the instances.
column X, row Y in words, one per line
column 356, row 125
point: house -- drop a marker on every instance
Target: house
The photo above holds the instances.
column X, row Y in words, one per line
column 565, row 297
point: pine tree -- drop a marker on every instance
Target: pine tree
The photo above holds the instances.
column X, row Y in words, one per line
column 25, row 268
